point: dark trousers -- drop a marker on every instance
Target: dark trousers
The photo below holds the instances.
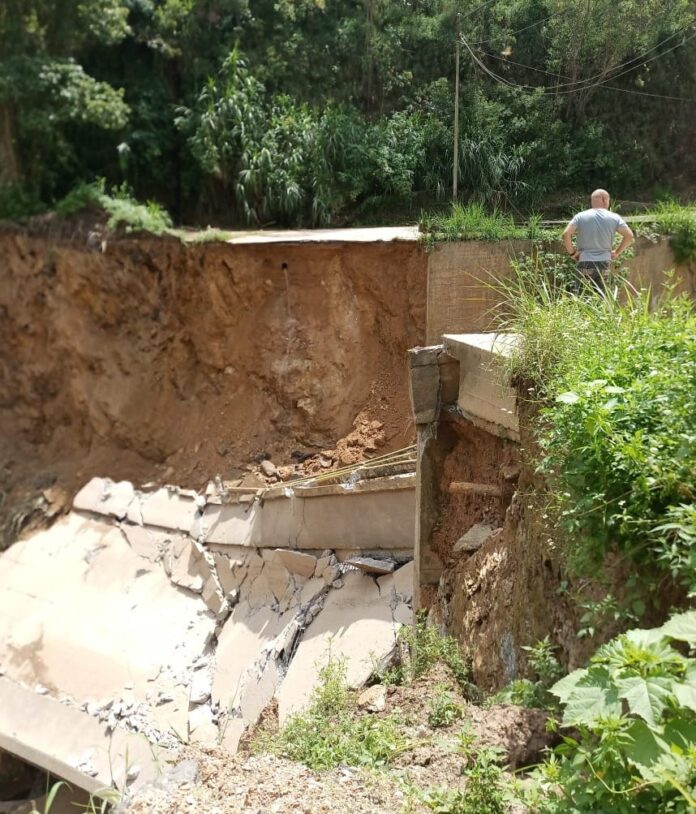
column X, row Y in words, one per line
column 592, row 275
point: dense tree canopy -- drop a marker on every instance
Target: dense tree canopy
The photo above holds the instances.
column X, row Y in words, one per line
column 305, row 111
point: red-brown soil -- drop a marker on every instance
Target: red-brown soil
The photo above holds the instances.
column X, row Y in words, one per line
column 155, row 361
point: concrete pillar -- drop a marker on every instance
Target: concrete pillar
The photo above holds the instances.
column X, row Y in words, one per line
column 434, row 382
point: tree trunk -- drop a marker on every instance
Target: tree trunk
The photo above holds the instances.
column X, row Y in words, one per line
column 9, row 165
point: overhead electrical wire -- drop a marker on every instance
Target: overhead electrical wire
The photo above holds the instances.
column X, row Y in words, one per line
column 608, row 87
column 587, row 82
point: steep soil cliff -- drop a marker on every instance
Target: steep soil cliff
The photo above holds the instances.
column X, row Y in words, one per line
column 148, row 359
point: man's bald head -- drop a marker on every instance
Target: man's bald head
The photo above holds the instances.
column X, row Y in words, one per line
column 600, row 199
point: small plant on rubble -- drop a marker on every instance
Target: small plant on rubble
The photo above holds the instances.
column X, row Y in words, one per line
column 329, row 734
column 485, row 790
column 443, row 709
column 422, row 646
column 534, row 693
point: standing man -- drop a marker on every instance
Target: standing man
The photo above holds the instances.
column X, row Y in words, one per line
column 595, row 229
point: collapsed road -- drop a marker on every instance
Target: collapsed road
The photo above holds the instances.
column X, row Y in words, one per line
column 142, row 620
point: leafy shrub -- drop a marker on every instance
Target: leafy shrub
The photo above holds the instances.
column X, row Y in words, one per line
column 680, row 223
column 485, row 789
column 444, row 710
column 534, row 693
column 328, row 734
column 617, row 428
column 17, row 202
column 421, row 647
column 634, row 711
column 122, row 208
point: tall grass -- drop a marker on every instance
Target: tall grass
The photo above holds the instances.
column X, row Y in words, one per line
column 615, row 377
column 679, row 222
column 474, row 222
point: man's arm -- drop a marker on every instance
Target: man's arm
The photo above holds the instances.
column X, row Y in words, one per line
column 628, row 238
column 568, row 241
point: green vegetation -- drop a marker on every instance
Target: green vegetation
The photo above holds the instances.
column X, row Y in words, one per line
column 444, row 710
column 329, row 733
column 421, row 646
column 634, row 711
column 122, row 208
column 680, row 223
column 534, row 693
column 310, row 111
column 485, row 791
column 616, row 429
column 475, row 222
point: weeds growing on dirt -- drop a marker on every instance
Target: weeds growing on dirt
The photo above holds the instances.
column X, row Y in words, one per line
column 474, row 222
column 485, row 784
column 421, row 646
column 119, row 203
column 443, row 709
column 679, row 222
column 329, row 734
column 615, row 377
column 534, row 693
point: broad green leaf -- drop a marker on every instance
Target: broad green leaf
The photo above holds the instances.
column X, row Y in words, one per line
column 586, row 705
column 563, row 688
column 686, row 695
column 644, row 638
column 645, row 745
column 646, row 697
column 681, row 627
column 568, row 398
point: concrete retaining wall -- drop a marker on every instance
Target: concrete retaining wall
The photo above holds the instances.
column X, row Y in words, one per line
column 462, row 279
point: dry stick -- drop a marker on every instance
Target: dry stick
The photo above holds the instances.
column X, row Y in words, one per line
column 463, row 487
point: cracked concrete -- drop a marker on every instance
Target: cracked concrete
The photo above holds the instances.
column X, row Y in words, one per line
column 130, row 614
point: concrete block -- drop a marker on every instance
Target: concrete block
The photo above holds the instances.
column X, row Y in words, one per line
column 164, row 508
column 147, row 543
column 103, row 496
column 370, row 565
column 356, row 623
column 188, row 568
column 234, row 524
column 418, row 357
column 240, row 645
column 425, row 393
column 201, row 727
column 401, row 582
column 474, row 538
column 297, row 562
column 311, row 589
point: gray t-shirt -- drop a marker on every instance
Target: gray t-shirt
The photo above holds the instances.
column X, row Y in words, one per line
column 595, row 229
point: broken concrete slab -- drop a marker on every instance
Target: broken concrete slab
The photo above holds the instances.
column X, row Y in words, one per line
column 473, row 539
column 356, row 623
column 370, row 565
column 240, row 644
column 188, row 569
column 165, row 508
column 71, row 744
column 78, row 594
column 103, row 496
column 485, row 396
column 297, row 562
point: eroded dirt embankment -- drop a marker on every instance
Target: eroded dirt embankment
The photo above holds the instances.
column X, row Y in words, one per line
column 151, row 360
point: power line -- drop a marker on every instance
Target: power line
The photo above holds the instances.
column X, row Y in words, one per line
column 560, row 13
column 608, row 87
column 478, row 8
column 588, row 82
